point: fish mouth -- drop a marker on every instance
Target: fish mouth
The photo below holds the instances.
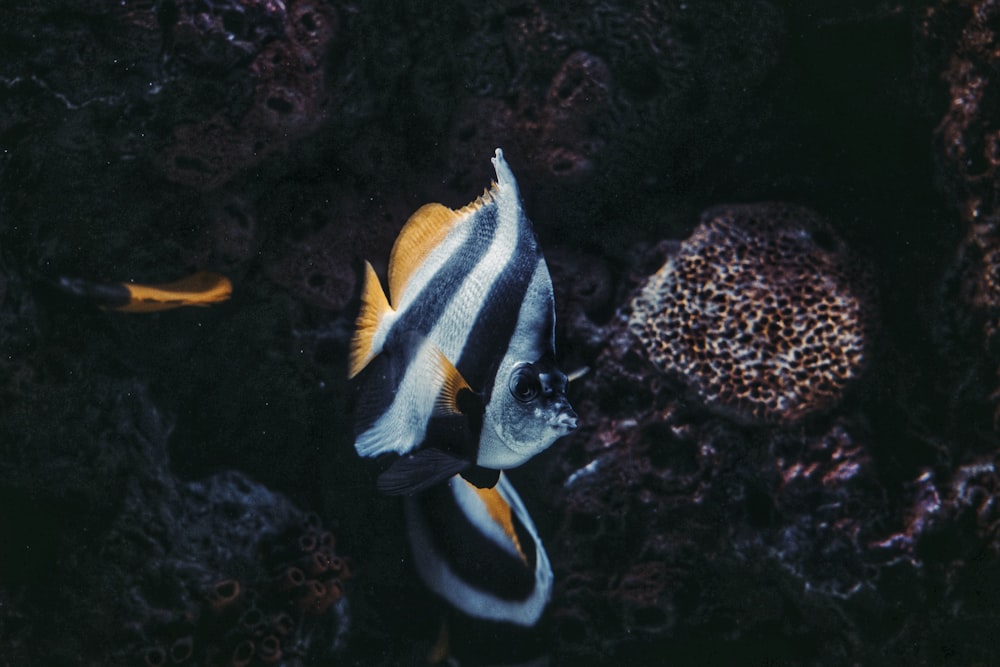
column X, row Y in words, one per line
column 565, row 421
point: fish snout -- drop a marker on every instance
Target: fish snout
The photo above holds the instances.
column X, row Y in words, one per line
column 565, row 419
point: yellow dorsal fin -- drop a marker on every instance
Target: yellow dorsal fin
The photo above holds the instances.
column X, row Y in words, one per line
column 374, row 306
column 452, row 383
column 500, row 512
column 198, row 289
column 423, row 232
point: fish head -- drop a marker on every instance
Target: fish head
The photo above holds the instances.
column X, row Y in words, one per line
column 527, row 412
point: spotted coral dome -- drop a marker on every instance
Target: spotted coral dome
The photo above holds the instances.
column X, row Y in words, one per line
column 757, row 313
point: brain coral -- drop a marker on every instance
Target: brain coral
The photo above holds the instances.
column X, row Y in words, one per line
column 760, row 313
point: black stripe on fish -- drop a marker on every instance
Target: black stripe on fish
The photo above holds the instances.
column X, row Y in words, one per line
column 490, row 336
column 433, row 299
column 377, row 385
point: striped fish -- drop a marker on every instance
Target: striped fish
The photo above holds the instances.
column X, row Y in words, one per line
column 462, row 352
column 479, row 550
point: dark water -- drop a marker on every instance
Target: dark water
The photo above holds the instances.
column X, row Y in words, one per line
column 161, row 473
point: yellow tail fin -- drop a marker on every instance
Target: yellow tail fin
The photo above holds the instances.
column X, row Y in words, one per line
column 374, row 306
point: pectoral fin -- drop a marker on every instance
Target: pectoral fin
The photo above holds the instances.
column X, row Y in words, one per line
column 420, row 470
column 481, row 478
column 456, row 394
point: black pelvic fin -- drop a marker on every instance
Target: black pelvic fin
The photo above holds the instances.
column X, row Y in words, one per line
column 420, row 470
column 482, row 478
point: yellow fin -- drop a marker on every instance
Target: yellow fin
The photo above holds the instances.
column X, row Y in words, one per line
column 423, row 232
column 452, row 383
column 500, row 512
column 374, row 307
column 198, row 289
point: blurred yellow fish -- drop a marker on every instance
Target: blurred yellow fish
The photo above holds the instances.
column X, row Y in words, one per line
column 199, row 289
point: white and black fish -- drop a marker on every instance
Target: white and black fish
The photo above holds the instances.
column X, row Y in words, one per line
column 462, row 352
column 479, row 550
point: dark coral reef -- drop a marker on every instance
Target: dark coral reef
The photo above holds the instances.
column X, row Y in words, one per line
column 774, row 234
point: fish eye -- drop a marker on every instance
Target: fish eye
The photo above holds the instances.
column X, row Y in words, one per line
column 524, row 384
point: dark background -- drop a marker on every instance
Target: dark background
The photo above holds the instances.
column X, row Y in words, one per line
column 283, row 144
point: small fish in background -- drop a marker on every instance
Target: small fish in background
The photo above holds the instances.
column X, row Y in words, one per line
column 462, row 352
column 479, row 551
column 198, row 289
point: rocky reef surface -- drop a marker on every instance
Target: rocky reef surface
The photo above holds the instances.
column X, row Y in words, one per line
column 774, row 234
